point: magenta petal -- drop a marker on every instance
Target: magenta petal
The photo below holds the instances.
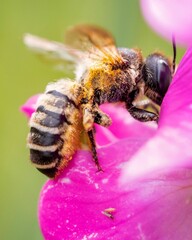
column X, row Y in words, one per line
column 123, row 126
column 159, row 207
column 104, row 136
column 168, row 17
column 178, row 100
column 29, row 107
column 72, row 206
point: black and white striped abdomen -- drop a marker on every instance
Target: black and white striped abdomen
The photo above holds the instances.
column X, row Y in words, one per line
column 54, row 120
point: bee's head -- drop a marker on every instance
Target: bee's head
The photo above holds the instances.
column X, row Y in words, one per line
column 157, row 74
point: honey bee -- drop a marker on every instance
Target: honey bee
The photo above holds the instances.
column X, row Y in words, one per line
column 103, row 73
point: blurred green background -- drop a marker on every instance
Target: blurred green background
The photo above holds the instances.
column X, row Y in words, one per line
column 23, row 75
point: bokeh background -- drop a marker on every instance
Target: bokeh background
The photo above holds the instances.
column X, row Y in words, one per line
column 23, row 75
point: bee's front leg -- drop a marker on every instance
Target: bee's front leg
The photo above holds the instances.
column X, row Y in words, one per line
column 139, row 113
column 142, row 115
column 92, row 114
column 102, row 118
column 88, row 117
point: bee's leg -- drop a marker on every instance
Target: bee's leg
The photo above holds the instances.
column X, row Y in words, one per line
column 88, row 121
column 138, row 113
column 93, row 149
column 102, row 118
column 147, row 104
column 88, row 117
column 93, row 115
column 142, row 115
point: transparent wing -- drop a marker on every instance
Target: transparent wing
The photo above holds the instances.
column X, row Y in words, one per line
column 94, row 40
column 61, row 56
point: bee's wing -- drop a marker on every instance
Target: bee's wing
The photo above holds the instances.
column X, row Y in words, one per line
column 98, row 43
column 57, row 53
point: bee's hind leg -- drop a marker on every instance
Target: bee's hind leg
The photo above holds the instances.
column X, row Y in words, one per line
column 90, row 134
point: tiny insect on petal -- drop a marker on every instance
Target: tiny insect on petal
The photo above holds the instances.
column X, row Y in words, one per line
column 109, row 212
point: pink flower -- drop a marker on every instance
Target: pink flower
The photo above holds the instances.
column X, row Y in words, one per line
column 145, row 191
column 168, row 17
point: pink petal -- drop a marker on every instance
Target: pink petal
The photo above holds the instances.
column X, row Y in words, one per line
column 179, row 97
column 168, row 17
column 159, row 207
column 29, row 107
column 123, row 126
column 71, row 207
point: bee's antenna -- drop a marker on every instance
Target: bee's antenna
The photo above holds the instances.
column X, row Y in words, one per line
column 174, row 53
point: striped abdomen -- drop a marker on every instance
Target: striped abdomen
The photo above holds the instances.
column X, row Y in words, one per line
column 55, row 129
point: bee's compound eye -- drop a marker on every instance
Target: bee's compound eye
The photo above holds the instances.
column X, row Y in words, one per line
column 157, row 73
column 163, row 75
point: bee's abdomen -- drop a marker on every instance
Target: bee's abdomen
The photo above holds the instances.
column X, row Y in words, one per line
column 41, row 138
column 49, row 124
